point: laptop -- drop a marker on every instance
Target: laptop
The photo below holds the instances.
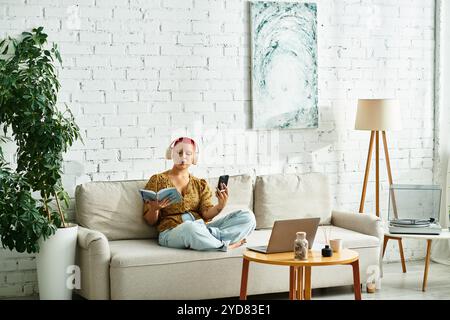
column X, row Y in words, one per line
column 284, row 234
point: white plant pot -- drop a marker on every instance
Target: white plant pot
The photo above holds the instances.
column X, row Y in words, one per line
column 56, row 255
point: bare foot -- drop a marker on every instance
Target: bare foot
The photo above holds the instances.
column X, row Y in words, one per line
column 237, row 244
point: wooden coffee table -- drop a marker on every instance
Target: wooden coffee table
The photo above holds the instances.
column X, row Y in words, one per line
column 300, row 271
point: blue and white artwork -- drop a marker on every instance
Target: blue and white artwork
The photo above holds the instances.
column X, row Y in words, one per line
column 284, row 65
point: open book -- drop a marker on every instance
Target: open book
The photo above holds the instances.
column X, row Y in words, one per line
column 172, row 193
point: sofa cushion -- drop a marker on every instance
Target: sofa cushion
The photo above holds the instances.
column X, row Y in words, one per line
column 134, row 253
column 283, row 196
column 114, row 208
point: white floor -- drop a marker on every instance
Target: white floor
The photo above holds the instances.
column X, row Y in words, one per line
column 395, row 285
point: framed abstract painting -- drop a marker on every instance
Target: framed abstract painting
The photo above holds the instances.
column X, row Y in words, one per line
column 284, row 65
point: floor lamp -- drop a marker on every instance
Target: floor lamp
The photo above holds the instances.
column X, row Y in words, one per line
column 377, row 115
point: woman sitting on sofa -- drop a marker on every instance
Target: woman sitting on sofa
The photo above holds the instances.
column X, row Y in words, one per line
column 187, row 224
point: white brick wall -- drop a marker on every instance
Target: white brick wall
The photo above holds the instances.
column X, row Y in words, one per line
column 136, row 73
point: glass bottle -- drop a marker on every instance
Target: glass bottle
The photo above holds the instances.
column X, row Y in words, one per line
column 301, row 246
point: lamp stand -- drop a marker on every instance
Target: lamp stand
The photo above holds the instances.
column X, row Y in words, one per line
column 376, row 135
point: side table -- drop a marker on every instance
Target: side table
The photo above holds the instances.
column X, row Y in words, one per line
column 445, row 234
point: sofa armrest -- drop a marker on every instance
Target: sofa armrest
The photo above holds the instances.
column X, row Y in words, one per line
column 92, row 240
column 93, row 258
column 359, row 222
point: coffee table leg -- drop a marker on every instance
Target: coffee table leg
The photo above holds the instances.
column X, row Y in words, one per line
column 427, row 265
column 307, row 283
column 300, row 283
column 244, row 279
column 291, row 283
column 356, row 280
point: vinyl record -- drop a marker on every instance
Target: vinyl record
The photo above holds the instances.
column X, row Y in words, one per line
column 410, row 223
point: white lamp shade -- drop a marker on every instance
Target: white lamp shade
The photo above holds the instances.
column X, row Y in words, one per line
column 378, row 115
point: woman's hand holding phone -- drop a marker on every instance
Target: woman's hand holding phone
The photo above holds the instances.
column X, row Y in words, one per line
column 222, row 192
column 222, row 196
column 223, row 180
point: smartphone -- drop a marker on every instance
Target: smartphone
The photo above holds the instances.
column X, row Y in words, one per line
column 222, row 179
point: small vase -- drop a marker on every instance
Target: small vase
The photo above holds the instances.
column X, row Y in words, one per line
column 301, row 246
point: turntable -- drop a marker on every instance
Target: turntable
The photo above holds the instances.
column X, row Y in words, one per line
column 414, row 209
column 415, row 226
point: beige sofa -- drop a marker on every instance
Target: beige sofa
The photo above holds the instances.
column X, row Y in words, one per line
column 120, row 258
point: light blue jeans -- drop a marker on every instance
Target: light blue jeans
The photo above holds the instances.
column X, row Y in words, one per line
column 213, row 236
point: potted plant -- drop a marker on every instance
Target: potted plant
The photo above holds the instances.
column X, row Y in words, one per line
column 32, row 198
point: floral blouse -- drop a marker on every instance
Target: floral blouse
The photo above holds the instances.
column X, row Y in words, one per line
column 196, row 199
